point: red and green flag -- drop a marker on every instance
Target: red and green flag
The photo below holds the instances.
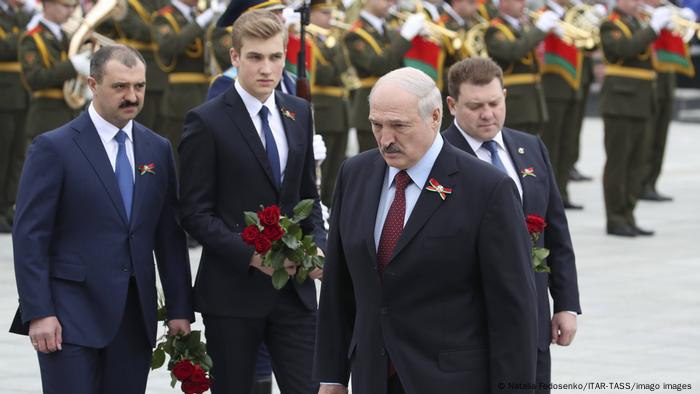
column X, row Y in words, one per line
column 293, row 48
column 562, row 59
column 427, row 56
column 671, row 54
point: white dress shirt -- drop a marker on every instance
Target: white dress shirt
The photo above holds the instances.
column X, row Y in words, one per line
column 484, row 154
column 54, row 28
column 375, row 21
column 419, row 176
column 107, row 132
column 253, row 106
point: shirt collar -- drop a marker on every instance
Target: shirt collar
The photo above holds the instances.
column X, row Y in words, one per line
column 559, row 10
column 421, row 170
column 475, row 144
column 183, row 8
column 55, row 28
column 251, row 103
column 106, row 130
column 375, row 21
column 512, row 21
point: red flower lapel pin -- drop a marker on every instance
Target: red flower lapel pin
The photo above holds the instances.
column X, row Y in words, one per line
column 436, row 187
column 289, row 114
column 149, row 168
column 528, row 172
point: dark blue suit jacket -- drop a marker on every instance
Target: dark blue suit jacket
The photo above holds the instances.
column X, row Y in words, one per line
column 74, row 248
column 455, row 308
column 540, row 197
column 224, row 172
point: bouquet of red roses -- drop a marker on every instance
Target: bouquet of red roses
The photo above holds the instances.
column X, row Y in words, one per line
column 278, row 237
column 189, row 362
column 535, row 226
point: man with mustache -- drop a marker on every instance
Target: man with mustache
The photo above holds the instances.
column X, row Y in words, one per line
column 428, row 285
column 97, row 199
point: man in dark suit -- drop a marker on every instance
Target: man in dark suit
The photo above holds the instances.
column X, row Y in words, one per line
column 97, row 198
column 248, row 147
column 428, row 285
column 477, row 101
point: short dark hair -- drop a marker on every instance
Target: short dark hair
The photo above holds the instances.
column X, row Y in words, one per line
column 125, row 55
column 262, row 24
column 474, row 70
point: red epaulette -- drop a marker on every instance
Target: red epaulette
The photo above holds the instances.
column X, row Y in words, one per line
column 497, row 21
column 165, row 10
column 36, row 29
column 614, row 16
column 356, row 25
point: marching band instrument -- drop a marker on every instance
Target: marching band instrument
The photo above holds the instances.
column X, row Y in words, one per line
column 585, row 18
column 573, row 35
column 474, row 41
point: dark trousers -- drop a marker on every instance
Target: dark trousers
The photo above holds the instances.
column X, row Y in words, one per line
column 289, row 333
column 528, row 127
column 366, row 140
column 559, row 136
column 657, row 147
column 12, row 149
column 544, row 371
column 121, row 367
column 336, row 144
column 578, row 124
column 625, row 147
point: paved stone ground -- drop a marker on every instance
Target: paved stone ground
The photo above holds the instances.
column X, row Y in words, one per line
column 640, row 297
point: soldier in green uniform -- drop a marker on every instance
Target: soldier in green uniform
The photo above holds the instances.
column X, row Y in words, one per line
column 134, row 30
column 328, row 94
column 179, row 32
column 587, row 79
column 512, row 45
column 13, row 111
column 627, row 103
column 374, row 49
column 46, row 66
column 561, row 81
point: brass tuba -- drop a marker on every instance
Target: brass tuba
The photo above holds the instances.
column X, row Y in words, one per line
column 474, row 40
column 84, row 38
column 585, row 18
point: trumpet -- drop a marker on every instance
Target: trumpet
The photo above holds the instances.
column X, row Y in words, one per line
column 573, row 35
column 434, row 30
column 681, row 27
column 584, row 17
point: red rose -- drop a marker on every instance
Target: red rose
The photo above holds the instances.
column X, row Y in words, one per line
column 198, row 375
column 190, row 387
column 250, row 234
column 262, row 245
column 273, row 233
column 183, row 369
column 270, row 215
column 204, row 386
column 535, row 224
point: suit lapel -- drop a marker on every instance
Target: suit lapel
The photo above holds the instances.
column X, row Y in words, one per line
column 90, row 144
column 519, row 162
column 372, row 192
column 428, row 201
column 241, row 120
column 141, row 147
column 294, row 133
column 455, row 137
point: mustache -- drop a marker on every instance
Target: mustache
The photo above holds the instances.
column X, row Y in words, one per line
column 391, row 148
column 127, row 103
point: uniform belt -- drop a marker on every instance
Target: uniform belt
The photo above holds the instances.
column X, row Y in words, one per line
column 520, row 79
column 614, row 70
column 48, row 93
column 368, row 82
column 335, row 91
column 138, row 45
column 188, row 78
column 12, row 67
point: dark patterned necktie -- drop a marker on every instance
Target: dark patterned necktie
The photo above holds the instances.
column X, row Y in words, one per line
column 393, row 225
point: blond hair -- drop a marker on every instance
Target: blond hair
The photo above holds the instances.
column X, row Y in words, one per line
column 262, row 24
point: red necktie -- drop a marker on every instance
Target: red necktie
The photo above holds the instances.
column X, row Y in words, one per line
column 393, row 224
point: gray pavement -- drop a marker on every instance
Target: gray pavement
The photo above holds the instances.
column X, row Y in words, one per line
column 640, row 297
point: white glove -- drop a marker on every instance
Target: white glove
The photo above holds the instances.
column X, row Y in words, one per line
column 319, row 148
column 218, row 7
column 660, row 18
column 600, row 10
column 291, row 17
column 325, row 212
column 29, row 6
column 412, row 26
column 547, row 22
column 81, row 63
column 204, row 18
column 688, row 14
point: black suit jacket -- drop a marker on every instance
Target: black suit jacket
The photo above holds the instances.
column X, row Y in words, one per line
column 540, row 197
column 224, row 171
column 455, row 309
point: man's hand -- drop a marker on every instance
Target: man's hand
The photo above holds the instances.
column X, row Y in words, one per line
column 45, row 334
column 290, row 267
column 332, row 389
column 177, row 326
column 256, row 262
column 563, row 328
column 316, row 273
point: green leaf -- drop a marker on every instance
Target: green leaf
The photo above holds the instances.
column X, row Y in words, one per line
column 303, row 210
column 207, row 363
column 251, row 218
column 291, row 241
column 540, row 253
column 173, row 380
column 319, row 261
column 285, row 222
column 307, row 262
column 274, row 259
column 302, row 274
column 158, row 358
column 162, row 313
column 279, row 278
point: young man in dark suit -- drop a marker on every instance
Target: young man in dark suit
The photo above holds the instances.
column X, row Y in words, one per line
column 428, row 285
column 477, row 101
column 97, row 198
column 247, row 147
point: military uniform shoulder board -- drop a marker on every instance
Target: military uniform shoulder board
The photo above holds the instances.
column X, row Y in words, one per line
column 168, row 9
